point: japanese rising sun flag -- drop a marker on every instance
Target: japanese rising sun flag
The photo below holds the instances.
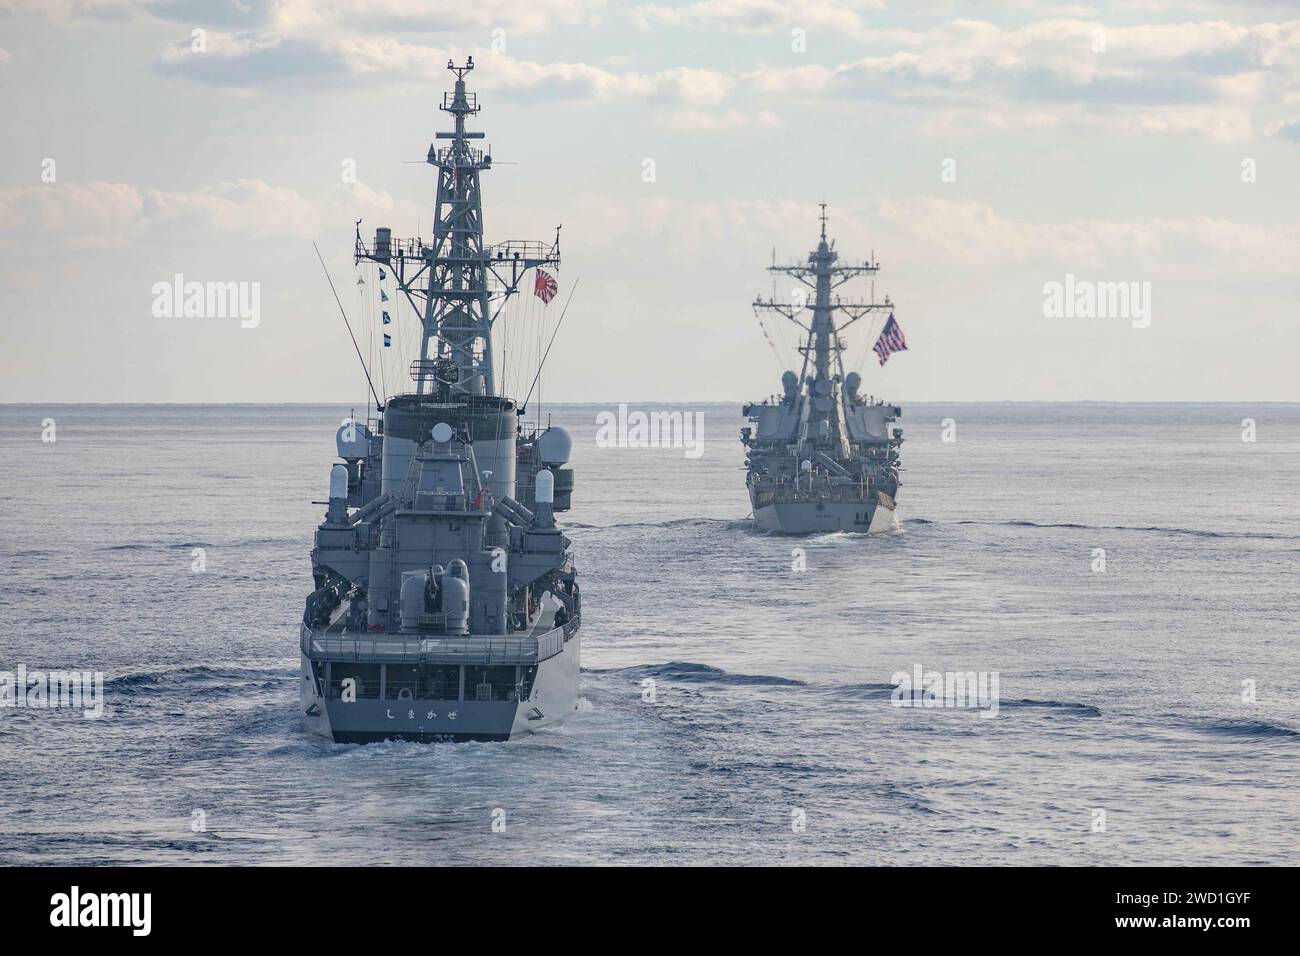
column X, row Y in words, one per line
column 545, row 288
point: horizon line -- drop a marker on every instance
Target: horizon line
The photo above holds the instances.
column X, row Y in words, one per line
column 982, row 401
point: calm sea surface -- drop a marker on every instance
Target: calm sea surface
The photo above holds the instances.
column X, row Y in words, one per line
column 772, row 737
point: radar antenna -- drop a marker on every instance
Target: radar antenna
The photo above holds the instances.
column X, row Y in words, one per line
column 458, row 285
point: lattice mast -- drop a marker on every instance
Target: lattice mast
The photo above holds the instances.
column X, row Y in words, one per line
column 465, row 282
column 823, row 346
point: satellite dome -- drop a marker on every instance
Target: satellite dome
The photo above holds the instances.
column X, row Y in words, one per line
column 352, row 439
column 554, row 446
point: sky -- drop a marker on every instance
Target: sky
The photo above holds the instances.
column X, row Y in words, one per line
column 984, row 153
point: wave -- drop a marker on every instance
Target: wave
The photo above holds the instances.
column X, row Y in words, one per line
column 1075, row 709
column 688, row 672
column 200, row 674
column 673, row 523
column 873, row 691
column 190, row 545
column 1245, row 728
column 1190, row 532
column 1152, row 529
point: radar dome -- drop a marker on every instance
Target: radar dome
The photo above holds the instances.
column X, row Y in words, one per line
column 442, row 433
column 352, row 439
column 554, row 446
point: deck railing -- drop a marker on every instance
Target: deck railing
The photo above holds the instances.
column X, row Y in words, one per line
column 485, row 651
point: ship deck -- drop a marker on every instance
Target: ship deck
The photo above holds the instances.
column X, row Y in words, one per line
column 542, row 641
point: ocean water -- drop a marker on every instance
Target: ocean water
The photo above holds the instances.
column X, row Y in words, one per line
column 772, row 737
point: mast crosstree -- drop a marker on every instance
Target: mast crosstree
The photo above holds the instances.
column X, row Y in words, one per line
column 823, row 275
column 822, row 456
column 457, row 285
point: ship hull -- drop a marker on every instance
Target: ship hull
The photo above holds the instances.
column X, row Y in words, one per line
column 821, row 517
column 553, row 697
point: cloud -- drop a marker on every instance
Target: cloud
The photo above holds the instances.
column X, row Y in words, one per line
column 758, row 16
column 1061, row 59
column 245, row 207
column 249, row 60
column 106, row 215
column 1211, row 78
column 295, row 17
column 1289, row 131
column 252, row 60
column 974, row 234
column 715, row 120
column 285, row 19
column 963, row 234
column 86, row 215
column 72, row 9
column 1214, row 79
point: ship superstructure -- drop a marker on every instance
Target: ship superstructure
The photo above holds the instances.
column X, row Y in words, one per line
column 446, row 603
column 822, row 456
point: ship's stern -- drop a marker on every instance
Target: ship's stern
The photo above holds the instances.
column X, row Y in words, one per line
column 471, row 689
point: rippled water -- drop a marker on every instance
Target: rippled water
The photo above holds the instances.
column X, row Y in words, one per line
column 1120, row 691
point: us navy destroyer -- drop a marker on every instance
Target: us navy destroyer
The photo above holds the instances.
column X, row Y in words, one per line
column 446, row 604
column 822, row 456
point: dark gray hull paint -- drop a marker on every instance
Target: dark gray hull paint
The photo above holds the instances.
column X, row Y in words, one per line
column 554, row 697
column 811, row 517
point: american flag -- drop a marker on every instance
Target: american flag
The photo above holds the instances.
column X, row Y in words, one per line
column 891, row 340
column 545, row 288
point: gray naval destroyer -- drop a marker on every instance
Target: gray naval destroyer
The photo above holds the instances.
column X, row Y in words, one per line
column 446, row 605
column 823, row 457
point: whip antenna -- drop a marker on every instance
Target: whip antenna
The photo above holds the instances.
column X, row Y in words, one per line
column 378, row 403
column 542, row 364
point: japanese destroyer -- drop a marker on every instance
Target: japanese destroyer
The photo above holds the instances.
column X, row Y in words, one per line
column 446, row 604
column 822, row 456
